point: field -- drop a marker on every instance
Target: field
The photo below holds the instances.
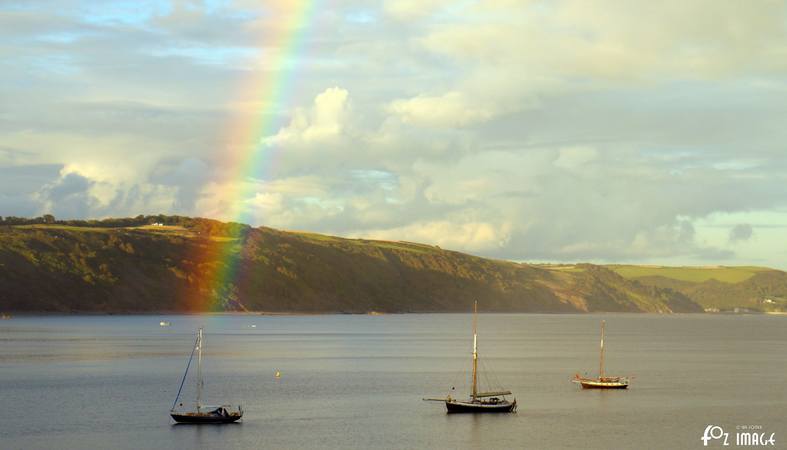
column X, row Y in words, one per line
column 692, row 274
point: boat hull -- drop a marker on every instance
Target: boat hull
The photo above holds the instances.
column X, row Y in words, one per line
column 205, row 418
column 598, row 384
column 454, row 406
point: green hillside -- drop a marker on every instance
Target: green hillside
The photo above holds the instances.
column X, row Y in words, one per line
column 717, row 288
column 692, row 274
column 170, row 263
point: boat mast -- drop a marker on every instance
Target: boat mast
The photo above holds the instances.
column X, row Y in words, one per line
column 199, row 369
column 475, row 350
column 601, row 359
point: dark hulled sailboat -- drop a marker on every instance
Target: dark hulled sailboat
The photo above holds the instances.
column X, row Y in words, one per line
column 603, row 381
column 479, row 402
column 202, row 414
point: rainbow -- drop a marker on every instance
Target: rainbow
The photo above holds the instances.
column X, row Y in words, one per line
column 244, row 154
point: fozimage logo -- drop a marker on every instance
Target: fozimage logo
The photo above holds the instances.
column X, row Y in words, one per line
column 745, row 436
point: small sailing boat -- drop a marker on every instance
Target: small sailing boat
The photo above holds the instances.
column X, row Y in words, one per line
column 479, row 402
column 203, row 413
column 603, row 381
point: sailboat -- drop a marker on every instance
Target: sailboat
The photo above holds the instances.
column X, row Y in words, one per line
column 603, row 381
column 203, row 413
column 479, row 402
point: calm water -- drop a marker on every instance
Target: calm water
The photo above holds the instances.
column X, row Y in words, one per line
column 357, row 381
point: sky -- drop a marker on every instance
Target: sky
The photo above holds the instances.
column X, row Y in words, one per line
column 543, row 131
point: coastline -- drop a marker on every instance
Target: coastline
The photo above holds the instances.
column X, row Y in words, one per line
column 11, row 315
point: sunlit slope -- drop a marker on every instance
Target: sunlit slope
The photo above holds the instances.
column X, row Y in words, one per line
column 717, row 287
column 692, row 274
column 167, row 268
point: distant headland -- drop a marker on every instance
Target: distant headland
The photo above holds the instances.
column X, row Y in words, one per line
column 181, row 264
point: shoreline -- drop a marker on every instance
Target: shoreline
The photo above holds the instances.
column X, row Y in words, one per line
column 12, row 315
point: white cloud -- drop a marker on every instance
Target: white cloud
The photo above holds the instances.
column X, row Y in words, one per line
column 469, row 236
column 514, row 53
column 575, row 158
column 324, row 121
column 449, row 109
column 413, row 9
column 283, row 203
column 606, row 39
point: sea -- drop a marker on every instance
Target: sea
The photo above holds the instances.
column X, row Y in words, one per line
column 357, row 381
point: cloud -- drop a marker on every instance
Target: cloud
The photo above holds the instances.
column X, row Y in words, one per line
column 449, row 109
column 573, row 39
column 586, row 201
column 68, row 197
column 188, row 176
column 513, row 54
column 469, row 235
column 513, row 129
column 741, row 232
column 575, row 158
column 413, row 9
column 19, row 186
column 322, row 122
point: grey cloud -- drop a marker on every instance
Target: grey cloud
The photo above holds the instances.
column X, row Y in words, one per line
column 10, row 156
column 380, row 211
column 19, row 186
column 17, row 204
column 741, row 232
column 25, row 179
column 69, row 196
column 188, row 176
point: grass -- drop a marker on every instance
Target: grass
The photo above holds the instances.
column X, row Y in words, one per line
column 165, row 230
column 318, row 237
column 562, row 268
column 393, row 245
column 64, row 227
column 407, row 247
column 692, row 274
column 223, row 238
column 157, row 228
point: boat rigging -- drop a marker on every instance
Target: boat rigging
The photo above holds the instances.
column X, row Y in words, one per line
column 480, row 402
column 203, row 413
